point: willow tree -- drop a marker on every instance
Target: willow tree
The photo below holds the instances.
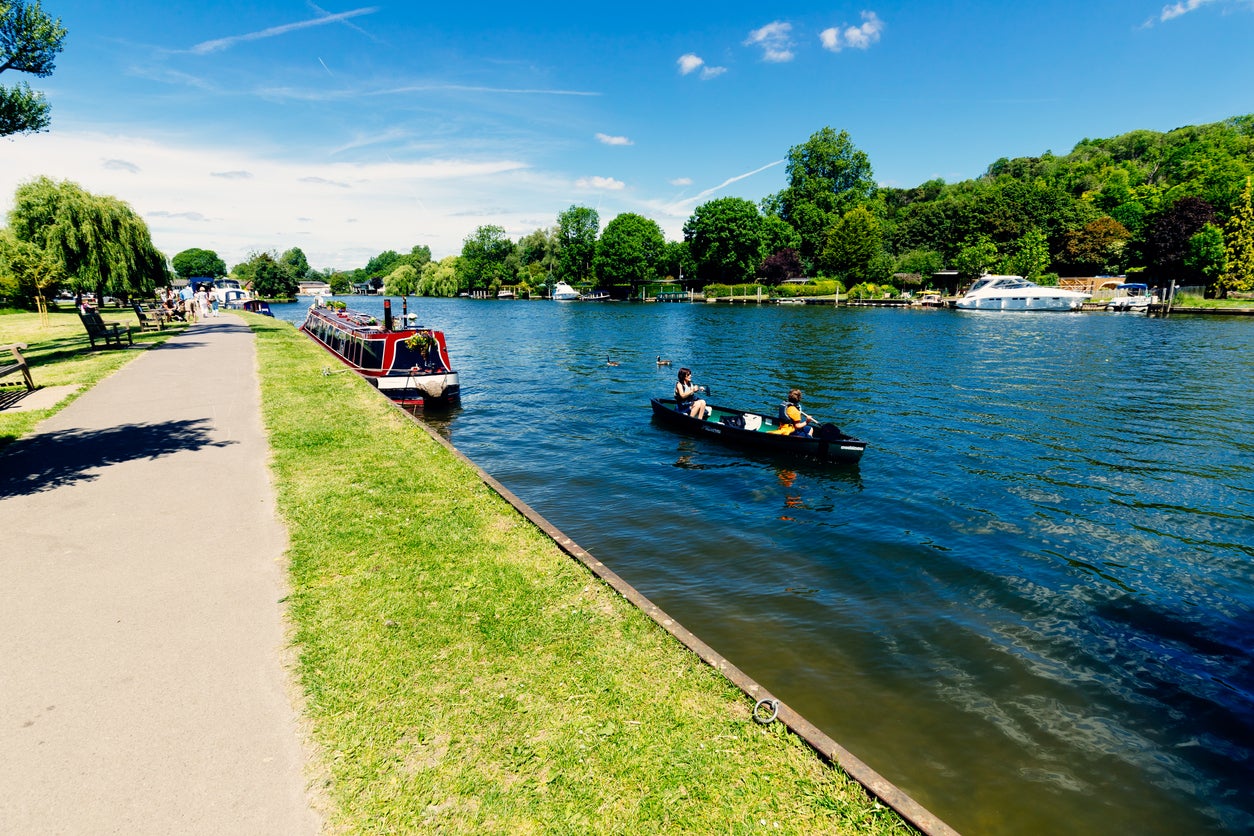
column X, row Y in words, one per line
column 97, row 242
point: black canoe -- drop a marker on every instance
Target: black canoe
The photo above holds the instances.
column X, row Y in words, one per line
column 829, row 444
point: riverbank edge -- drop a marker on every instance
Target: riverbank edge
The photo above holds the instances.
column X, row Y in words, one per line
column 807, row 735
column 766, row 704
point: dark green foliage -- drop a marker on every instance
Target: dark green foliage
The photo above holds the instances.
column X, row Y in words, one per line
column 270, row 279
column 725, row 239
column 29, row 43
column 198, row 263
column 629, row 251
column 577, row 229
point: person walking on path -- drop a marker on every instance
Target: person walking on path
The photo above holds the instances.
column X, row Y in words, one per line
column 144, row 687
column 202, row 302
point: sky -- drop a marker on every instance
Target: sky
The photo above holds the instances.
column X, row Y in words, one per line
column 348, row 129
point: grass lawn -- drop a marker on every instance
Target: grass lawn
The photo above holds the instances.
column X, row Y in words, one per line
column 59, row 353
column 463, row 675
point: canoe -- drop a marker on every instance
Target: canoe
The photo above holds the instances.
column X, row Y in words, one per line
column 828, row 445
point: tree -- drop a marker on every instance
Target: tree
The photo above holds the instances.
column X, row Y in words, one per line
column 1097, row 247
column 536, row 253
column 852, row 247
column 577, row 230
column 25, row 270
column 677, row 261
column 827, row 176
column 781, row 265
column 485, row 253
column 1205, row 254
column 197, row 263
column 976, row 258
column 96, row 242
column 271, row 280
column 1238, row 272
column 295, row 263
column 725, row 238
column 439, row 278
column 29, row 43
column 402, row 281
column 1031, row 256
column 629, row 251
column 1167, row 240
column 921, row 263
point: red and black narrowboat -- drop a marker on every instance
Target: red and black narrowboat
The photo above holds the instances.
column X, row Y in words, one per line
column 409, row 364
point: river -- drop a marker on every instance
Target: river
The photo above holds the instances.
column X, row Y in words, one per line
column 1031, row 606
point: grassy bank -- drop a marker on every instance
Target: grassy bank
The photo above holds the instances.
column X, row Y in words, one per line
column 59, row 354
column 463, row 675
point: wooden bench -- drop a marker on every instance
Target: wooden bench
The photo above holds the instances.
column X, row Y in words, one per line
column 18, row 364
column 109, row 332
column 148, row 320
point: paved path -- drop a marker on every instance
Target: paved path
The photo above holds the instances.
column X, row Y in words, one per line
column 142, row 687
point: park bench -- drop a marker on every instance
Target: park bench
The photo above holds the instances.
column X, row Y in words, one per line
column 148, row 320
column 18, row 364
column 111, row 333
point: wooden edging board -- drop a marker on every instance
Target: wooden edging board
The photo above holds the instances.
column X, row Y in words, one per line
column 914, row 813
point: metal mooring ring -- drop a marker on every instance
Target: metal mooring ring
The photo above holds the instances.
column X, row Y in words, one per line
column 765, row 719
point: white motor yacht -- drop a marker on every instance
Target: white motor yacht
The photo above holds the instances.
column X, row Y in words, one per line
column 1015, row 293
column 563, row 292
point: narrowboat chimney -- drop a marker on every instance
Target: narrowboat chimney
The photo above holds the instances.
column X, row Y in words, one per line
column 405, row 309
column 387, row 314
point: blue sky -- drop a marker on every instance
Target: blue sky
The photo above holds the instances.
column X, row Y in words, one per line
column 350, row 129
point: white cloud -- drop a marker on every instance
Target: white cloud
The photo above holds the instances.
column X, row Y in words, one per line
column 605, row 183
column 854, row 37
column 606, row 139
column 1182, row 8
column 236, row 200
column 219, row 44
column 690, row 63
column 681, row 181
column 775, row 40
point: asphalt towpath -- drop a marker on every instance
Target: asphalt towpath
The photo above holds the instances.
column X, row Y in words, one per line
column 142, row 679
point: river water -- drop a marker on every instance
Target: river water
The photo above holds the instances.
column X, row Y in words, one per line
column 1031, row 606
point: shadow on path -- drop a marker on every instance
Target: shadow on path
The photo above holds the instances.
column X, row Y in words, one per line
column 45, row 462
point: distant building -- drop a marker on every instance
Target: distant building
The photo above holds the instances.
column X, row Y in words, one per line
column 312, row 288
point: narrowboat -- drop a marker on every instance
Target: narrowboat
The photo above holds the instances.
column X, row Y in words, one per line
column 754, row 431
column 409, row 364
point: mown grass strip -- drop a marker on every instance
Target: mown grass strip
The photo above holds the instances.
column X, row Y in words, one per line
column 463, row 675
column 59, row 354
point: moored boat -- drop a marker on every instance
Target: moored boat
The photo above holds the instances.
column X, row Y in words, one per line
column 259, row 306
column 408, row 364
column 1131, row 296
column 563, row 292
column 754, row 431
column 595, row 296
column 1015, row 293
